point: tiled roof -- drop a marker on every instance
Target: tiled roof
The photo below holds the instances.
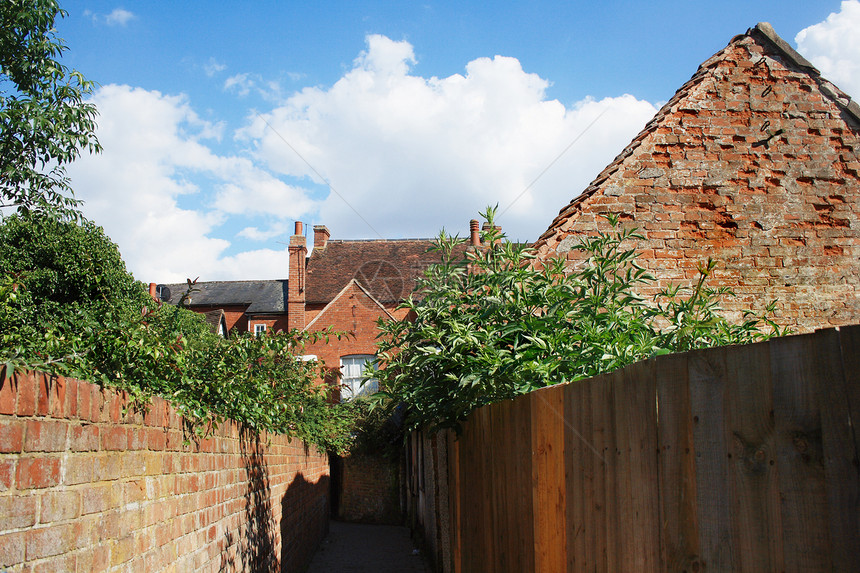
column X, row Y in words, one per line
column 763, row 34
column 385, row 268
column 262, row 297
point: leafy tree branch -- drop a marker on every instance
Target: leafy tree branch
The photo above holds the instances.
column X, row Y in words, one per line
column 45, row 123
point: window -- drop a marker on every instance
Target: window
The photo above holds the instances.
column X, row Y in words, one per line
column 259, row 329
column 352, row 369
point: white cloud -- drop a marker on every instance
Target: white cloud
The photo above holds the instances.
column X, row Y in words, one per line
column 244, row 83
column 834, row 47
column 213, row 67
column 413, row 154
column 410, row 154
column 118, row 17
column 255, row 234
column 152, row 189
column 241, row 83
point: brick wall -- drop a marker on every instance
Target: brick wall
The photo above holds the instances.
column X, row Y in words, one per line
column 752, row 163
column 84, row 487
column 354, row 313
column 369, row 490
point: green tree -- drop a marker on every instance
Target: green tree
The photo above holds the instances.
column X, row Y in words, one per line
column 497, row 324
column 66, row 269
column 45, row 123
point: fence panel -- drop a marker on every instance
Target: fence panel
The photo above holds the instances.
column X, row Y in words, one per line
column 737, row 458
column 753, row 481
column 548, row 478
column 679, row 531
column 846, row 501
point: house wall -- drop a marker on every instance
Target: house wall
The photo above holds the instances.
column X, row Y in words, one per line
column 84, row 487
column 275, row 323
column 237, row 319
column 354, row 313
column 751, row 165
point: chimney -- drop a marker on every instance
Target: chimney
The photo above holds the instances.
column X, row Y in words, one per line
column 498, row 228
column 298, row 250
column 474, row 236
column 321, row 235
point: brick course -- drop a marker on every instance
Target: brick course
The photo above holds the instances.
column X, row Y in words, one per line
column 85, row 486
column 753, row 164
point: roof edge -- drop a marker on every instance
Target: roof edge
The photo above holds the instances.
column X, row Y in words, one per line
column 828, row 88
column 340, row 294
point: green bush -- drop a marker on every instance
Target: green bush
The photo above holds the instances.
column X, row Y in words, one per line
column 498, row 323
column 68, row 306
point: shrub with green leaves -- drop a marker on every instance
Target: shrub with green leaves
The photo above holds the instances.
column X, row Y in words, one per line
column 68, row 306
column 497, row 324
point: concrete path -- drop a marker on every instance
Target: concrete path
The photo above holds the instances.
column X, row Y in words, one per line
column 358, row 548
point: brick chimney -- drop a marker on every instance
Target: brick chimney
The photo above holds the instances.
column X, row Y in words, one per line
column 498, row 228
column 298, row 250
column 321, row 235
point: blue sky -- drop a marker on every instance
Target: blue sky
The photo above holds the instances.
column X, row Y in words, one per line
column 225, row 122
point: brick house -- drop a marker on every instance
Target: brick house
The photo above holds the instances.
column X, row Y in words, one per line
column 755, row 162
column 345, row 285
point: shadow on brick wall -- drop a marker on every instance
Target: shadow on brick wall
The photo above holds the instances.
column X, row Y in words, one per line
column 252, row 546
column 304, row 523
column 260, row 539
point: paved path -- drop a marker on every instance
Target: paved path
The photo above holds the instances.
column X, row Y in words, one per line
column 358, row 548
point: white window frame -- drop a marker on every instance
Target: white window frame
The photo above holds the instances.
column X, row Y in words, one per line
column 259, row 328
column 352, row 384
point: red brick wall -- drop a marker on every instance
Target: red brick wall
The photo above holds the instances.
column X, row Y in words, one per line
column 237, row 320
column 369, row 491
column 354, row 313
column 84, row 487
column 712, row 177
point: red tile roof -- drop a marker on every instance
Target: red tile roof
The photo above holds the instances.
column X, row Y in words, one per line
column 386, row 268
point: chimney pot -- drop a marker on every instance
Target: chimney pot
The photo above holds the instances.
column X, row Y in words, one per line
column 475, row 238
column 299, row 228
column 153, row 290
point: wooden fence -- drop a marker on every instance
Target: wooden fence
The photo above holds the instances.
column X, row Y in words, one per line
column 728, row 459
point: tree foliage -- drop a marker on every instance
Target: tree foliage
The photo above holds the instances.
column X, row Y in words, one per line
column 68, row 306
column 45, row 123
column 496, row 324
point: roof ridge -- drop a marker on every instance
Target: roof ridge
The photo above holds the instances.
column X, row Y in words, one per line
column 378, row 240
column 231, row 281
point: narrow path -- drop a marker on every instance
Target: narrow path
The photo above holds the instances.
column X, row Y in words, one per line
column 358, row 548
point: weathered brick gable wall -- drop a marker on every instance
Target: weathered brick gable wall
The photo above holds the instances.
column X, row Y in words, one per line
column 85, row 488
column 753, row 165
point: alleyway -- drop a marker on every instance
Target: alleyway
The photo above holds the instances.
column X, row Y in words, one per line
column 358, row 548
